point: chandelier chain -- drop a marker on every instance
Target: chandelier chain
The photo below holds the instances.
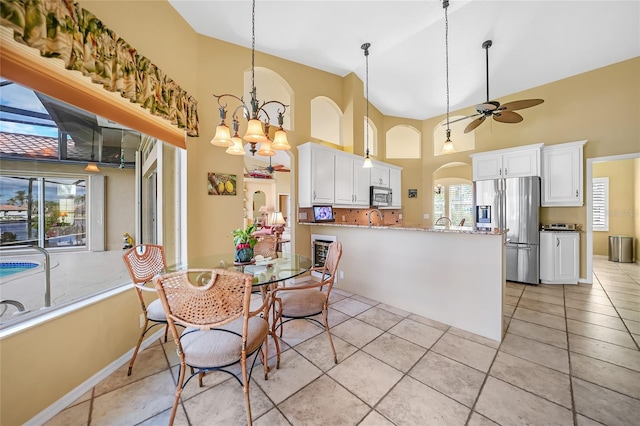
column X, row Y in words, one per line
column 253, row 45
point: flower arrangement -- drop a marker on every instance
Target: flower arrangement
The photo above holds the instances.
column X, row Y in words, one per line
column 244, row 241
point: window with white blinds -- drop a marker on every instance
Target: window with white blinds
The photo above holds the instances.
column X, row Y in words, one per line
column 600, row 203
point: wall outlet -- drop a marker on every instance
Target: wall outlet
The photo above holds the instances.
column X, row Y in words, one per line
column 343, row 218
column 142, row 320
column 426, row 215
column 341, row 275
column 400, row 216
column 302, row 215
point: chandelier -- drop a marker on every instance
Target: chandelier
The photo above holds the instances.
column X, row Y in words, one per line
column 255, row 133
column 448, row 147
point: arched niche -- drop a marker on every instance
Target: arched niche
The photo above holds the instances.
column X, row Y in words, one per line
column 403, row 141
column 326, row 120
column 270, row 86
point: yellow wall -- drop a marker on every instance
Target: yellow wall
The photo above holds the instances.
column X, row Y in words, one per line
column 601, row 106
column 623, row 194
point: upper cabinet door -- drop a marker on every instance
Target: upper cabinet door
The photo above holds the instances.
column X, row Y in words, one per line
column 379, row 176
column 344, row 180
column 361, row 179
column 322, row 172
column 521, row 163
column 487, row 166
column 562, row 177
column 395, row 182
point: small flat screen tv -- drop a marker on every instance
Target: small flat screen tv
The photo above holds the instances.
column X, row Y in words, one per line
column 323, row 214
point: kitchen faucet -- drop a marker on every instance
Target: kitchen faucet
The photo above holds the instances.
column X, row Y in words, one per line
column 379, row 214
column 443, row 219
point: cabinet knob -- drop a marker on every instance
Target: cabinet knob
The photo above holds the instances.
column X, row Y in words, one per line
column 500, row 171
column 576, row 193
column 505, row 171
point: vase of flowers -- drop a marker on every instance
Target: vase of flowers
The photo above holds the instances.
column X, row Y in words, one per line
column 244, row 242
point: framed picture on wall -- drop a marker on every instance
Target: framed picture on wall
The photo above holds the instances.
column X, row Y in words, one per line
column 221, row 184
column 413, row 193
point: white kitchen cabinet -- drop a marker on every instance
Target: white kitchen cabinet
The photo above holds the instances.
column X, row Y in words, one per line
column 351, row 181
column 562, row 175
column 316, row 165
column 505, row 163
column 559, row 257
column 395, row 183
column 380, row 175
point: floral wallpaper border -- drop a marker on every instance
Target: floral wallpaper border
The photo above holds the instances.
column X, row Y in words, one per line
column 62, row 29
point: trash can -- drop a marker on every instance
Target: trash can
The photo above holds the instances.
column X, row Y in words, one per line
column 620, row 249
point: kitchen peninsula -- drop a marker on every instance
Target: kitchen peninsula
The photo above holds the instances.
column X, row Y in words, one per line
column 454, row 275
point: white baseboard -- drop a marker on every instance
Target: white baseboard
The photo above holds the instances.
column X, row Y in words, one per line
column 55, row 408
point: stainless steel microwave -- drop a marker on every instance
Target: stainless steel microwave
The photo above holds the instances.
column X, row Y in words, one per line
column 380, row 196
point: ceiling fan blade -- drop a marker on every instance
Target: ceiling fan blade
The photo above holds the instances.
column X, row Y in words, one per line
column 525, row 103
column 507, row 117
column 283, row 170
column 278, row 166
column 475, row 123
column 463, row 118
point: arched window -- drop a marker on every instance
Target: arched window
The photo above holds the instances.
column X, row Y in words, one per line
column 326, row 120
column 403, row 142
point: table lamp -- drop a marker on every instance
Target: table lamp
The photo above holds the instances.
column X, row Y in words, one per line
column 277, row 219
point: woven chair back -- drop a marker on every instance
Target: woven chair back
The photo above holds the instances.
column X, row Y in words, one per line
column 267, row 246
column 225, row 296
column 144, row 262
column 331, row 261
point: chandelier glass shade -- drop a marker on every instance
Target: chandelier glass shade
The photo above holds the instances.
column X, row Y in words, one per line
column 257, row 117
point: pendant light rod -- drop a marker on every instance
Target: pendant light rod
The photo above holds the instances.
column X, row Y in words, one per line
column 257, row 117
column 367, row 161
column 448, row 147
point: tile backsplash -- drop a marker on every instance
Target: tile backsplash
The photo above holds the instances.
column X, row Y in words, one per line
column 355, row 216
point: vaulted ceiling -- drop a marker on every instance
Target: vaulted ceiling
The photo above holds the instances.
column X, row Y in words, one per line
column 534, row 43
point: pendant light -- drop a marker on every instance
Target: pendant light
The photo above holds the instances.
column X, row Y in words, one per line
column 255, row 133
column 367, row 161
column 448, row 147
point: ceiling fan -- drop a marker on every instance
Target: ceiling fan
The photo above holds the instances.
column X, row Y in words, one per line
column 502, row 113
column 276, row 168
column 267, row 172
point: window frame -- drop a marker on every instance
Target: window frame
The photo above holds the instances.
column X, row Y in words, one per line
column 600, row 184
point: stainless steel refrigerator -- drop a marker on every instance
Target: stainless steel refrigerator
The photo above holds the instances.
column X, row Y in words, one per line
column 513, row 204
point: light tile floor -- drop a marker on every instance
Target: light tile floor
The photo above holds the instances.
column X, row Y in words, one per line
column 570, row 356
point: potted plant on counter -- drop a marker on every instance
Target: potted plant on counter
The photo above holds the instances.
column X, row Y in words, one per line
column 244, row 242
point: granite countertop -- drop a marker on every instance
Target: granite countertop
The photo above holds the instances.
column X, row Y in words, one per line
column 443, row 229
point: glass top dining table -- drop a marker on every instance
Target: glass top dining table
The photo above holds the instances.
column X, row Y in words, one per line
column 267, row 271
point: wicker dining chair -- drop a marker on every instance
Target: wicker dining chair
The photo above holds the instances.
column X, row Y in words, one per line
column 308, row 299
column 267, row 246
column 144, row 262
column 221, row 330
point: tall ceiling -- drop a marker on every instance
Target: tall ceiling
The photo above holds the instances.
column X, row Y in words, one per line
column 534, row 43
